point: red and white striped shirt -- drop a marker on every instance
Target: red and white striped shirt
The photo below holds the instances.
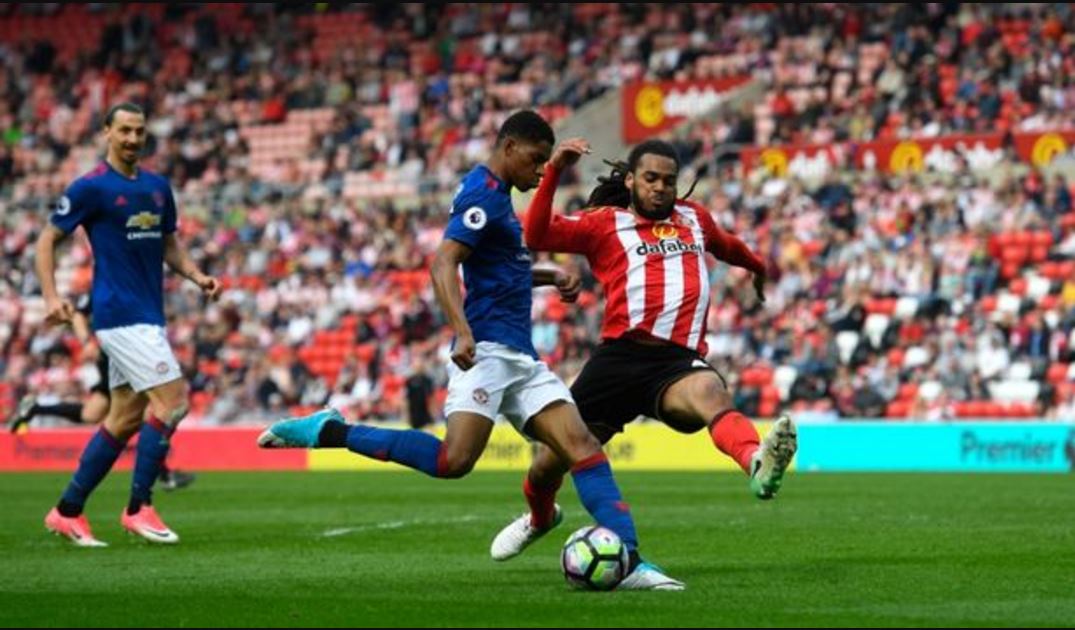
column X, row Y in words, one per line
column 654, row 272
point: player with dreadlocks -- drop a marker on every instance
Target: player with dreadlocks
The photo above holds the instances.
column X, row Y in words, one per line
column 647, row 247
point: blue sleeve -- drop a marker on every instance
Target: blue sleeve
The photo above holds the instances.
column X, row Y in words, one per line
column 77, row 206
column 170, row 213
column 471, row 218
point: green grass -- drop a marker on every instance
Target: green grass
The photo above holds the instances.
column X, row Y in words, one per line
column 832, row 550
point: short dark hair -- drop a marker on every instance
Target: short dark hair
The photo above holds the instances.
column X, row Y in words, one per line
column 125, row 106
column 651, row 147
column 528, row 126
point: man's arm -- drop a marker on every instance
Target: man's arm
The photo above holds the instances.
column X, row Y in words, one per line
column 569, row 284
column 543, row 230
column 81, row 326
column 57, row 310
column 180, row 262
column 445, row 273
column 729, row 248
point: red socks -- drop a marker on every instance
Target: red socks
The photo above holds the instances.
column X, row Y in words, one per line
column 541, row 501
column 736, row 436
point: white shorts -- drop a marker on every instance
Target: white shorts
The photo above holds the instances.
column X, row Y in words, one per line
column 504, row 382
column 139, row 356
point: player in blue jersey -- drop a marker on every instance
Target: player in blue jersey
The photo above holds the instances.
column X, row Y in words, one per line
column 494, row 370
column 94, row 409
column 129, row 215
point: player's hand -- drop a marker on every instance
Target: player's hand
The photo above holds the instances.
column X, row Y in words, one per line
column 569, row 285
column 209, row 285
column 463, row 352
column 58, row 311
column 759, row 286
column 569, row 152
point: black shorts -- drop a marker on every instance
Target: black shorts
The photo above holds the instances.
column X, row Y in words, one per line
column 624, row 379
column 101, row 387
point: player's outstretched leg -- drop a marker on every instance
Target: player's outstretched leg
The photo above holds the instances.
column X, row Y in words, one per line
column 453, row 457
column 700, row 398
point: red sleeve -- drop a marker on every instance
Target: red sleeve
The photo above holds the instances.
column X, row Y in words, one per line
column 726, row 246
column 548, row 232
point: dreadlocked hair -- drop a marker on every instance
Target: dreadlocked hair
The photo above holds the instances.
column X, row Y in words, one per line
column 612, row 188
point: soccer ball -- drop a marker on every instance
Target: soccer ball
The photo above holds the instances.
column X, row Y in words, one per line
column 594, row 558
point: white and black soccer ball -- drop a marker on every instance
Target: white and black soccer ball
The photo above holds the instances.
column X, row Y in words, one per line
column 594, row 558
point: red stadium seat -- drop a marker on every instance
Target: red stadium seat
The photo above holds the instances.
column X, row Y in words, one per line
column 1009, row 270
column 756, row 377
column 1013, row 254
column 898, row 409
column 1003, row 240
column 1042, row 239
column 1023, row 239
column 349, row 322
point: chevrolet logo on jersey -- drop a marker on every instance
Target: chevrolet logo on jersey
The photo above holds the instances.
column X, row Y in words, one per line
column 144, row 220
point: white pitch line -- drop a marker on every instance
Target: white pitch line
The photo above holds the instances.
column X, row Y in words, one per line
column 342, row 531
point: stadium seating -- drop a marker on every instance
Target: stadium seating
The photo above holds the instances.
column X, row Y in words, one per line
column 318, row 194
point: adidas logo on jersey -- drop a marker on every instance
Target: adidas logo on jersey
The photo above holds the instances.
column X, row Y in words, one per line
column 665, row 247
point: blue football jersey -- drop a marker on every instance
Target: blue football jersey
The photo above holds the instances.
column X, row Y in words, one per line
column 126, row 220
column 497, row 273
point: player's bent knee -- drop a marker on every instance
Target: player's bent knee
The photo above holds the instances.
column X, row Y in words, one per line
column 457, row 469
column 172, row 415
column 178, row 412
column 710, row 397
column 580, row 445
column 456, row 465
column 547, row 466
column 122, row 428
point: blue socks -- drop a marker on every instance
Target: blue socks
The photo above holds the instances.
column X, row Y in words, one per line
column 601, row 496
column 153, row 444
column 414, row 449
column 97, row 459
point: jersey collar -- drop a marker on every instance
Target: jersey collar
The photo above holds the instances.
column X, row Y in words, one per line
column 109, row 166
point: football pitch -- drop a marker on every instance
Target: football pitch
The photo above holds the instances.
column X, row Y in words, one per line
column 398, row 549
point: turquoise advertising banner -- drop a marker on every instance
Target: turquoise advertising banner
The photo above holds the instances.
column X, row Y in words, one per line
column 940, row 447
